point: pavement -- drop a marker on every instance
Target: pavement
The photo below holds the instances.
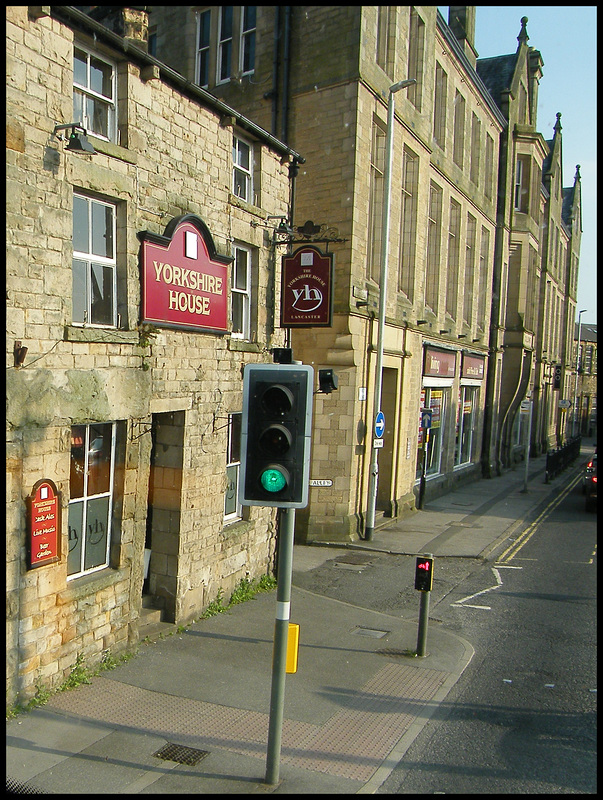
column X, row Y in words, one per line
column 189, row 714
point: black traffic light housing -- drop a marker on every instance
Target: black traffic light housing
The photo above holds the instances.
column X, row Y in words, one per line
column 557, row 376
column 424, row 573
column 276, row 435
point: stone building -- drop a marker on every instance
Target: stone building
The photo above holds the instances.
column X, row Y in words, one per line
column 585, row 386
column 140, row 280
column 535, row 268
column 320, row 78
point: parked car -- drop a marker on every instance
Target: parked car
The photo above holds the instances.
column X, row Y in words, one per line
column 590, row 489
column 588, row 470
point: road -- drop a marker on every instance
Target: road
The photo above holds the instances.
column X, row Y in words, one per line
column 522, row 717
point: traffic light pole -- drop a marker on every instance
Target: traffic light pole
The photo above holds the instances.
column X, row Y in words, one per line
column 279, row 655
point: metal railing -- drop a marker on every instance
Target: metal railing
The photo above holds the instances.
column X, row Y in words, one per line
column 557, row 460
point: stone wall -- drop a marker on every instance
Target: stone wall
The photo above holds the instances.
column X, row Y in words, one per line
column 173, row 157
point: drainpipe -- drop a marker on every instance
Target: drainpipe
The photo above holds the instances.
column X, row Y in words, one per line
column 286, row 45
column 274, row 91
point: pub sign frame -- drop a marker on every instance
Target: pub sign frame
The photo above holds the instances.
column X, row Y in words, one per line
column 307, row 289
column 43, row 524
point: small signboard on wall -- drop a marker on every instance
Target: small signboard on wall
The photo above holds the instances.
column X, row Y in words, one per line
column 307, row 289
column 43, row 524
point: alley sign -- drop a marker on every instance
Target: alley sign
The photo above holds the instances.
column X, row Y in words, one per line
column 307, row 289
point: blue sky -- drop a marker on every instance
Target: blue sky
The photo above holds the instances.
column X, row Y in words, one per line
column 566, row 37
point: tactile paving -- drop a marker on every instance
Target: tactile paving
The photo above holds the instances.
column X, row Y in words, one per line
column 352, row 743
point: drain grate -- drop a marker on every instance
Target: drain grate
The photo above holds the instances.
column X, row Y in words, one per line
column 181, row 754
column 371, row 632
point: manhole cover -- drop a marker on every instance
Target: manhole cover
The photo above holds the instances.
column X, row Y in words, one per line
column 354, row 558
column 181, row 754
column 371, row 632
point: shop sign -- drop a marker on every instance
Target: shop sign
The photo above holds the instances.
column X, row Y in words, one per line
column 184, row 279
column 440, row 363
column 307, row 289
column 472, row 367
column 43, row 524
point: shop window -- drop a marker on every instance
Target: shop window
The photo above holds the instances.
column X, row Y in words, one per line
column 240, row 292
column 465, row 423
column 203, row 43
column 242, row 174
column 94, row 263
column 94, row 101
column 232, row 510
column 94, row 486
column 434, row 399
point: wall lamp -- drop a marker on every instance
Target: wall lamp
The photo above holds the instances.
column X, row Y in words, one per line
column 77, row 142
column 19, row 353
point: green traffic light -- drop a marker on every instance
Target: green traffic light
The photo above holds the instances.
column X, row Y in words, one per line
column 273, row 480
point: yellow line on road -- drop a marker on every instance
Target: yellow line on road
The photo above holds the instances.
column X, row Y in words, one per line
column 524, row 537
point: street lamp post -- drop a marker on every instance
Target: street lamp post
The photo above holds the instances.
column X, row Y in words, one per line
column 577, row 364
column 372, row 495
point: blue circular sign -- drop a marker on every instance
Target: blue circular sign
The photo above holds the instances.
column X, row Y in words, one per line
column 379, row 424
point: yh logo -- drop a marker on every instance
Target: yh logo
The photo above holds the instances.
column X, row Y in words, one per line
column 307, row 299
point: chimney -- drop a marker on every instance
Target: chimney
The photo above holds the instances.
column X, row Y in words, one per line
column 130, row 22
column 461, row 21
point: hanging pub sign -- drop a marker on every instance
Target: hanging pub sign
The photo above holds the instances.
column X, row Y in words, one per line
column 472, row 367
column 439, row 363
column 43, row 524
column 184, row 279
column 307, row 289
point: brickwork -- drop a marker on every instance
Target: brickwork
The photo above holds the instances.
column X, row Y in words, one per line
column 174, row 157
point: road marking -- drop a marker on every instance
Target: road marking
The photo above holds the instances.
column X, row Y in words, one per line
column 524, row 537
column 463, row 604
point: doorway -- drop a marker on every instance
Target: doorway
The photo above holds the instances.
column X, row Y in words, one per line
column 162, row 538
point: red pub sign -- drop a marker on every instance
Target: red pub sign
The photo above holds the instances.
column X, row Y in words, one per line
column 184, row 279
column 43, row 524
column 307, row 289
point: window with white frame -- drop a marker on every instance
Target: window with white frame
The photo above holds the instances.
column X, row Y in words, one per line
column 242, row 174
column 247, row 43
column 94, row 90
column 92, row 488
column 203, row 44
column 240, row 292
column 94, row 262
column 232, row 509
column 224, row 44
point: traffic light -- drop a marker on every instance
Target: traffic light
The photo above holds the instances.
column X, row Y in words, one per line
column 557, row 376
column 275, row 435
column 424, row 574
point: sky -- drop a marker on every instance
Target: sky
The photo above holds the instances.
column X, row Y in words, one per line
column 566, row 37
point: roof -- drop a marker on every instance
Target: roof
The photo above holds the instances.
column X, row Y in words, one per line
column 497, row 74
column 588, row 333
column 73, row 17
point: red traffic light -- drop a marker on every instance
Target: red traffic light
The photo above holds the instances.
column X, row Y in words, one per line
column 424, row 574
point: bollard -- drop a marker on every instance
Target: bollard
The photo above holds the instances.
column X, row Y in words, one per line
column 424, row 584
